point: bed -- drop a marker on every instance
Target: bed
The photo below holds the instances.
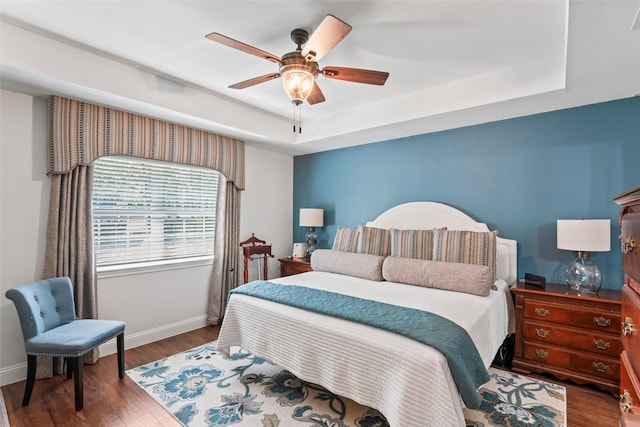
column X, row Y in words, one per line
column 409, row 382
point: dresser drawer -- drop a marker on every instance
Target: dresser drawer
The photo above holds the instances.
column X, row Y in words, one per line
column 601, row 320
column 629, row 390
column 580, row 339
column 585, row 363
column 631, row 326
column 632, row 283
column 630, row 243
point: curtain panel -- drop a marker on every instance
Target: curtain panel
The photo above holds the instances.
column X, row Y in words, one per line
column 81, row 132
column 225, row 269
column 69, row 244
column 69, row 250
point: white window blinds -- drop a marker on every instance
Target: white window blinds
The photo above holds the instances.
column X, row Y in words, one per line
column 147, row 211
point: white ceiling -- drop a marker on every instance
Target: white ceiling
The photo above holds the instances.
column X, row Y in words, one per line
column 451, row 63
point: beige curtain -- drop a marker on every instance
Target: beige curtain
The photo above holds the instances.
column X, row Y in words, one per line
column 69, row 244
column 225, row 268
column 69, row 247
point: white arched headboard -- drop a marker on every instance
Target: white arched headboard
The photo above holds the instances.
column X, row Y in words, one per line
column 428, row 215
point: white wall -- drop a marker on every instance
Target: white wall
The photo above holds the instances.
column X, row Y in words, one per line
column 154, row 305
column 267, row 205
column 24, row 196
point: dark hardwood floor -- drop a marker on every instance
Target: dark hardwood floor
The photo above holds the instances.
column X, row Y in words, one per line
column 109, row 401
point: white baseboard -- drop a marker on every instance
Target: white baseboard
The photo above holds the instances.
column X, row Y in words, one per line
column 15, row 373
column 153, row 335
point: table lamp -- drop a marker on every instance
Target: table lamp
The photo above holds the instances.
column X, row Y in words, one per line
column 584, row 236
column 311, row 218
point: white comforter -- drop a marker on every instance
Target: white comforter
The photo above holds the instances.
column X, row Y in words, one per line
column 409, row 382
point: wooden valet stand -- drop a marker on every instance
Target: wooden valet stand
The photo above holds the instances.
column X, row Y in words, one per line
column 254, row 248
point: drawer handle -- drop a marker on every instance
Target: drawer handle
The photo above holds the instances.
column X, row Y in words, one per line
column 541, row 354
column 601, row 321
column 626, row 402
column 629, row 245
column 627, row 326
column 543, row 333
column 543, row 312
column 602, row 345
column 600, row 367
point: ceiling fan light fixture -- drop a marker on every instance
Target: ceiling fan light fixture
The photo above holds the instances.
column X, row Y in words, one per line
column 298, row 76
column 297, row 84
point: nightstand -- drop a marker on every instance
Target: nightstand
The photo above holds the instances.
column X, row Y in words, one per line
column 291, row 266
column 570, row 335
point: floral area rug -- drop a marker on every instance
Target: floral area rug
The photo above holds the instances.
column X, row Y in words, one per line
column 201, row 388
column 514, row 400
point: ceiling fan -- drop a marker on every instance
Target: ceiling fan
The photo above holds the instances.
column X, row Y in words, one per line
column 300, row 68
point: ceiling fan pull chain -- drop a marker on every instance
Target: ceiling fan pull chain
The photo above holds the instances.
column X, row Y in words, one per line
column 297, row 119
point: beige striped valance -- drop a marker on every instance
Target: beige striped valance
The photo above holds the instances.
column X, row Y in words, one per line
column 80, row 132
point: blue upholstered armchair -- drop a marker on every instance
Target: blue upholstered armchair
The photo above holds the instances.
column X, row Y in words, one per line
column 48, row 319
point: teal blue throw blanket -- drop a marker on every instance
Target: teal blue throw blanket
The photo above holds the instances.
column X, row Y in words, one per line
column 442, row 334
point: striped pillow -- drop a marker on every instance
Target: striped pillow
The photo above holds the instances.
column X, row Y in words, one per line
column 346, row 239
column 375, row 241
column 416, row 244
column 471, row 247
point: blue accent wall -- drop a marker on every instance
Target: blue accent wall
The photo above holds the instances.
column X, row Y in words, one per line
column 518, row 175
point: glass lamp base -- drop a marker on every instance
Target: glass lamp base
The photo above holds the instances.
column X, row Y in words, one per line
column 311, row 235
column 312, row 238
column 584, row 275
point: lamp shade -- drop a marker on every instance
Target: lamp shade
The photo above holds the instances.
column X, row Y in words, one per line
column 311, row 217
column 590, row 235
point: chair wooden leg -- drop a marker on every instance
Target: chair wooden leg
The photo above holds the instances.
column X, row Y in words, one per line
column 32, row 362
column 54, row 363
column 78, row 363
column 120, row 345
column 69, row 366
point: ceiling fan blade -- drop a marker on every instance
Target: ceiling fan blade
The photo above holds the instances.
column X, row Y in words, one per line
column 357, row 75
column 329, row 33
column 228, row 41
column 316, row 95
column 255, row 81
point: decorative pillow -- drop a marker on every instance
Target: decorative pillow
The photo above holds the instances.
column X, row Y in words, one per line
column 346, row 239
column 470, row 247
column 349, row 263
column 374, row 241
column 451, row 276
column 412, row 243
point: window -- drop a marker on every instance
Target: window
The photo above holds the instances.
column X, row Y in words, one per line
column 150, row 211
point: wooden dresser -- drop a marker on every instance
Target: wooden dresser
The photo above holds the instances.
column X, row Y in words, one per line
column 629, row 202
column 568, row 334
